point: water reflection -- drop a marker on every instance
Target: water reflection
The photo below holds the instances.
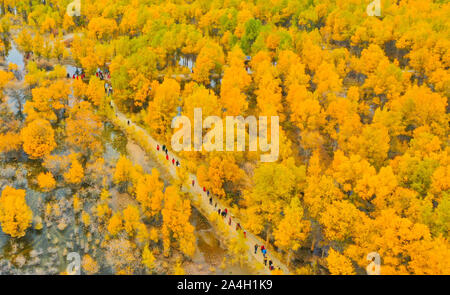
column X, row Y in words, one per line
column 16, row 57
column 44, row 251
column 186, row 62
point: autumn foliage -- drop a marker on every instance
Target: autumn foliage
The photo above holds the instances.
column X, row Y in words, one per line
column 362, row 101
column 38, row 139
column 15, row 215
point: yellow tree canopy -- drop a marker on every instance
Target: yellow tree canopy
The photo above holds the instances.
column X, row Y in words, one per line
column 38, row 139
column 15, row 215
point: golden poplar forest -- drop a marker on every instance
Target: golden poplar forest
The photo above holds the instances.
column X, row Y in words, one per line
column 86, row 107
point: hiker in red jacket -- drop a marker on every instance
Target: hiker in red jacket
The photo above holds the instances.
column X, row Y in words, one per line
column 167, row 157
column 193, row 182
column 204, row 189
column 157, row 147
column 173, row 161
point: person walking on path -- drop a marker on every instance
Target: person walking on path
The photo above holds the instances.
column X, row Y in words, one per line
column 164, row 148
column 128, row 122
column 270, row 263
column 210, row 201
column 177, row 163
column 256, row 247
column 218, row 211
column 167, row 157
column 245, row 234
column 173, row 161
column 265, row 260
column 157, row 147
column 229, row 220
column 193, row 182
column 207, row 193
column 204, row 189
column 264, row 252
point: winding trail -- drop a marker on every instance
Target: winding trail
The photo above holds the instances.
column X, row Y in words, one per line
column 200, row 197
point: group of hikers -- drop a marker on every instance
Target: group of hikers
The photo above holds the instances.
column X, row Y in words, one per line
column 224, row 214
column 80, row 74
column 108, row 89
column 103, row 75
column 264, row 253
column 165, row 150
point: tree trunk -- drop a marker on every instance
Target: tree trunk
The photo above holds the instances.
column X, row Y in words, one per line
column 288, row 263
column 268, row 236
column 313, row 243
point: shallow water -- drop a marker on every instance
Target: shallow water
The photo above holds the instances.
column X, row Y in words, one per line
column 186, row 62
column 15, row 95
column 15, row 56
column 70, row 69
column 52, row 243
